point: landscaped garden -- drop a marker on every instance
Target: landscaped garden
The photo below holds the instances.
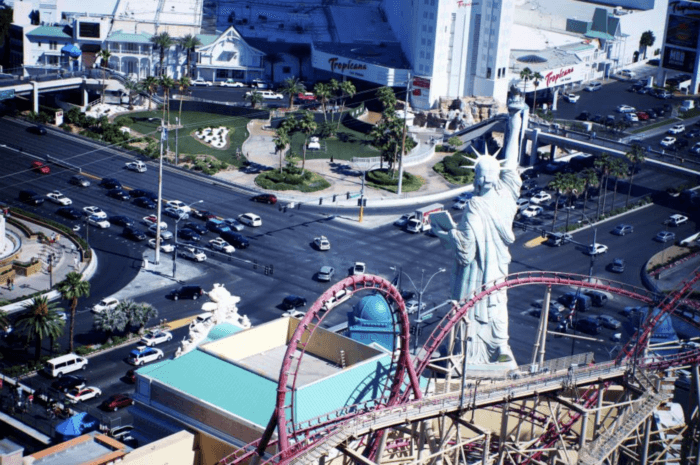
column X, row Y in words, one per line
column 343, row 145
column 291, row 179
column 455, row 168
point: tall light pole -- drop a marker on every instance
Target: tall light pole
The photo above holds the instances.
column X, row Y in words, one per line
column 403, row 136
column 591, row 251
column 163, row 138
column 181, row 217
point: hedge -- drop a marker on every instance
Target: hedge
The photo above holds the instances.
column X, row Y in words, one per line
column 292, row 179
column 388, row 180
column 455, row 169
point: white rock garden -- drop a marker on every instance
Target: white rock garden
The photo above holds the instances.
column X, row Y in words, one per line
column 216, row 137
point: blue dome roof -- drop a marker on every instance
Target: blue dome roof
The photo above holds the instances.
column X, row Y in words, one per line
column 373, row 308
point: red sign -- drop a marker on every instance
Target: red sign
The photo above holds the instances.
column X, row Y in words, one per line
column 421, row 82
column 552, row 77
column 462, row 3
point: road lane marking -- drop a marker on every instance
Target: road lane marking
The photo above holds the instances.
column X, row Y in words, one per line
column 532, row 243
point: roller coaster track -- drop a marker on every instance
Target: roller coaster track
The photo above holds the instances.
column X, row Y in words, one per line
column 402, row 401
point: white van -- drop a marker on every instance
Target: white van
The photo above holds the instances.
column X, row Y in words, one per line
column 59, row 366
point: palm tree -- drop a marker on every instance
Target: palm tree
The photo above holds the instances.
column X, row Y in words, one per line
column 281, row 141
column 254, row 98
column 617, row 170
column 525, row 75
column 300, row 51
column 590, row 179
column 307, row 125
column 139, row 314
column 575, row 185
column 113, row 320
column 347, row 89
column 162, row 42
column 132, row 88
column 40, row 321
column 323, row 93
column 559, row 185
column 104, row 55
column 150, row 85
column 536, row 79
column 292, row 87
column 647, row 40
column 273, row 58
column 166, row 83
column 72, row 289
column 635, row 155
column 603, row 165
column 333, row 85
column 189, row 43
column 387, row 97
column 182, row 85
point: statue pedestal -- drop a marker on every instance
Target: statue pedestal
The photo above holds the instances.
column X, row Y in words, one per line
column 490, row 370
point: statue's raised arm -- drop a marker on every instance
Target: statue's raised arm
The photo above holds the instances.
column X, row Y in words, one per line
column 514, row 136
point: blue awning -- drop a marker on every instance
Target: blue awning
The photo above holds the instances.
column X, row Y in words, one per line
column 71, row 50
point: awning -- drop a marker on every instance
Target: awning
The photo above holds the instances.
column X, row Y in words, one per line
column 71, row 50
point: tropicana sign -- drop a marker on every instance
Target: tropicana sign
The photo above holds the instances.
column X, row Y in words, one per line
column 552, row 77
column 349, row 65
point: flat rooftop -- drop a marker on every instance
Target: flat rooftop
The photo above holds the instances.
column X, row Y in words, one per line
column 86, row 449
column 184, row 12
column 360, row 23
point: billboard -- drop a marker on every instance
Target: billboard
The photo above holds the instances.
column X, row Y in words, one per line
column 371, row 72
column 678, row 59
column 682, row 31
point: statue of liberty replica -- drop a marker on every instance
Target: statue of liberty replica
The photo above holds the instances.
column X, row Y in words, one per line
column 480, row 244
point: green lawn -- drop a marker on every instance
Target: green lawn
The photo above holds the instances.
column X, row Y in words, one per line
column 345, row 145
column 191, row 121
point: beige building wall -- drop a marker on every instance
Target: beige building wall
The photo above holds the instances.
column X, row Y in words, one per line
column 177, row 449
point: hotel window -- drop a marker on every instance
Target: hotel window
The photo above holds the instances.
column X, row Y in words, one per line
column 432, row 15
column 422, row 54
column 425, row 15
column 420, row 68
column 430, row 28
column 428, row 56
column 424, row 28
column 422, row 42
column 53, row 45
column 488, row 73
column 427, row 70
column 430, row 42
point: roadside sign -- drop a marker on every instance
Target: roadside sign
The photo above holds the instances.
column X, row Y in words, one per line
column 354, row 196
column 426, row 316
column 7, row 94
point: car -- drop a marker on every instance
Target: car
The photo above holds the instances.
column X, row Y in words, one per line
column 643, row 90
column 119, row 194
column 138, row 166
column 266, row 94
column 165, row 247
column 676, row 129
column 234, row 224
column 81, row 394
column 617, row 265
column 57, row 197
column 532, row 211
column 413, row 305
column 116, row 401
column 642, row 116
column 609, row 121
column 70, row 212
column 121, row 220
column 193, row 254
column 294, row 314
column 175, row 213
column 402, row 220
column 636, row 87
column 314, row 143
column 593, row 86
column 625, row 109
column 265, row 198
column 676, row 220
column 250, row 219
column 188, row 235
column 696, row 148
column 136, row 193
column 180, row 205
column 667, row 141
column 694, row 133
column 80, row 181
column 94, row 211
column 306, row 96
column 651, row 113
column 682, row 143
column 583, row 116
column 145, row 202
column 30, row 197
column 626, row 73
column 540, row 197
column 110, row 183
column 38, row 129
column 152, row 219
column 660, row 111
column 130, row 376
column 193, row 292
column 629, row 311
column 597, row 298
column 664, row 94
column 231, row 83
column 164, row 233
column 325, row 273
column 196, row 227
column 322, row 243
column 293, row 301
column 622, row 229
column 359, row 268
column 631, row 117
column 522, row 203
column 259, row 84
column 40, row 167
column 557, row 239
column 556, row 311
column 133, row 233
column 460, row 204
column 101, row 223
column 235, row 239
column 143, row 354
column 68, row 382
column 597, row 249
column 569, row 97
column 108, row 303
column 469, row 195
column 609, row 322
column 221, row 245
column 665, row 236
column 202, row 214
column 156, row 336
column 588, row 325
column 200, row 82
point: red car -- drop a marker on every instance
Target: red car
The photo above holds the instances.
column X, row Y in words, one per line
column 117, row 401
column 265, row 198
column 40, row 167
column 642, row 115
column 306, row 97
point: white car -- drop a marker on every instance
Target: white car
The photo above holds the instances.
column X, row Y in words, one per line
column 250, row 219
column 676, row 220
column 626, row 73
column 322, row 243
column 632, row 117
column 138, row 166
column 359, row 268
column 179, row 205
column 540, row 197
column 325, row 273
column 99, row 222
column 625, row 109
column 667, row 141
column 201, row 82
column 156, row 336
column 143, row 354
column 109, row 303
column 294, row 314
column 412, row 306
column 677, row 129
column 164, row 246
column 597, row 249
column 231, row 83
column 266, row 94
column 571, row 98
column 522, row 203
column 165, row 235
column 82, row 394
column 57, row 197
column 532, row 211
column 193, row 254
column 460, row 204
column 95, row 211
column 221, row 245
column 152, row 219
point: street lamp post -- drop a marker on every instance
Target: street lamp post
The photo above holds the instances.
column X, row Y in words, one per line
column 182, row 216
column 590, row 277
column 50, row 260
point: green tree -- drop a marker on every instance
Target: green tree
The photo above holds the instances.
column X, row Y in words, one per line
column 334, row 86
column 576, row 185
column 150, row 85
column 73, row 288
column 536, row 80
column 40, row 321
column 138, row 314
column 104, row 55
column 132, row 89
column 273, row 58
column 347, row 90
column 590, row 180
column 254, row 98
column 292, row 87
column 4, row 321
column 387, row 134
column 560, row 185
column 323, row 93
column 647, row 40
column 618, row 169
column 455, row 142
column 6, row 18
column 603, row 164
column 162, row 42
column 307, row 125
column 189, row 43
column 525, row 75
column 635, row 156
column 281, row 142
column 387, row 97
column 182, row 85
column 113, row 320
column 166, row 83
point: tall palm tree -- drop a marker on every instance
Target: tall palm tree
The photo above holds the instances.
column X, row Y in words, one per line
column 525, row 75
column 307, row 125
column 560, row 185
column 273, row 58
column 254, row 98
column 647, row 40
column 387, row 97
column 150, row 85
column 618, row 169
column 590, row 179
column 536, row 80
column 603, row 165
column 104, row 55
column 333, row 85
column 323, row 93
column 281, row 141
column 189, row 43
column 182, row 85
column 292, row 87
column 73, row 288
column 40, row 321
column 347, row 89
column 162, row 42
column 139, row 314
column 635, row 155
column 132, row 88
column 112, row 320
column 575, row 185
column 166, row 83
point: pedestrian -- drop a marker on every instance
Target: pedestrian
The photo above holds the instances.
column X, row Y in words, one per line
column 12, row 283
column 9, row 282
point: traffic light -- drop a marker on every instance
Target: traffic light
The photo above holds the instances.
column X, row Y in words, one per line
column 543, row 233
column 347, row 196
column 412, row 330
column 359, row 202
column 320, row 200
column 334, row 198
column 299, row 206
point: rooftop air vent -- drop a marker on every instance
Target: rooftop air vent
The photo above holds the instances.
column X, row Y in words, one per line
column 531, row 59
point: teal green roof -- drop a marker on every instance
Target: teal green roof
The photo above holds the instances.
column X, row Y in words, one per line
column 119, row 36
column 59, row 32
column 206, row 39
column 599, row 35
column 373, row 308
column 220, row 331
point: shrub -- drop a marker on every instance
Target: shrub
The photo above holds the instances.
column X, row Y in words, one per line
column 384, row 179
column 454, row 168
column 291, row 179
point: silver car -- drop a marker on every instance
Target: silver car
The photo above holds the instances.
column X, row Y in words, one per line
column 609, row 322
column 325, row 273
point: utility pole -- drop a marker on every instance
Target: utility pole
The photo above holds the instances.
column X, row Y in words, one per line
column 177, row 150
column 403, row 138
column 163, row 137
